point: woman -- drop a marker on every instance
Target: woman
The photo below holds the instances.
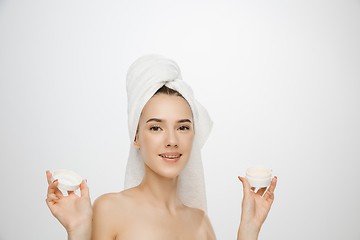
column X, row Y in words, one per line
column 165, row 191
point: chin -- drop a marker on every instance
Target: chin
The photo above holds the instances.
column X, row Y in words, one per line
column 171, row 172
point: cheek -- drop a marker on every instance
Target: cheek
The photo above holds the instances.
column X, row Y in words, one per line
column 150, row 141
column 188, row 141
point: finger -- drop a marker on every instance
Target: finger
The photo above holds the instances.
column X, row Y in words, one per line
column 84, row 189
column 246, row 185
column 273, row 184
column 52, row 189
column 52, row 198
column 269, row 195
column 48, row 176
column 57, row 190
column 261, row 191
column 51, row 201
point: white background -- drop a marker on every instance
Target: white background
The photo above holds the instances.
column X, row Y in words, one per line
column 281, row 80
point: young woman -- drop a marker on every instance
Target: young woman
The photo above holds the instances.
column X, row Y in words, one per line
column 164, row 196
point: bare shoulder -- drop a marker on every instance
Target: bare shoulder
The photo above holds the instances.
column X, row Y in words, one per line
column 115, row 198
column 108, row 200
column 114, row 203
column 201, row 216
column 109, row 213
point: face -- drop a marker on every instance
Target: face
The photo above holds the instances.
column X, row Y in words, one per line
column 165, row 134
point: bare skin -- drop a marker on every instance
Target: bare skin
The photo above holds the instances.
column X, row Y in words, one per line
column 128, row 215
column 153, row 209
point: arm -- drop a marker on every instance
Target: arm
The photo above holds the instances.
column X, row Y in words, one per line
column 72, row 211
column 255, row 208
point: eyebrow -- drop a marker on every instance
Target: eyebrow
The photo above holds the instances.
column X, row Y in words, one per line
column 184, row 120
column 159, row 120
column 154, row 120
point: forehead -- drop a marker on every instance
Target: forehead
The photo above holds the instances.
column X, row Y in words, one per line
column 167, row 107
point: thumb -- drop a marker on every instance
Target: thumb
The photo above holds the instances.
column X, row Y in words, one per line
column 246, row 185
column 84, row 189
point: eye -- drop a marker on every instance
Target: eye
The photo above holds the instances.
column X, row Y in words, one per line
column 155, row 128
column 184, row 128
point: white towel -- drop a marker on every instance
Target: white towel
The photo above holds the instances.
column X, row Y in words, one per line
column 145, row 76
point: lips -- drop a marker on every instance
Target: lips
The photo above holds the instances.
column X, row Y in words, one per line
column 170, row 156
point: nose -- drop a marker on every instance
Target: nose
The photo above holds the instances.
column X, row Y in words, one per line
column 171, row 139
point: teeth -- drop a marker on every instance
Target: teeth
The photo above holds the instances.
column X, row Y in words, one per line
column 171, row 156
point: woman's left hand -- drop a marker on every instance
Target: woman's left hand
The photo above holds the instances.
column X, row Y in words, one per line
column 255, row 206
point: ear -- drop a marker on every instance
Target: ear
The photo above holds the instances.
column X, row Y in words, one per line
column 136, row 144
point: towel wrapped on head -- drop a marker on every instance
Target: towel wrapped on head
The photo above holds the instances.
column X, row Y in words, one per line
column 145, row 76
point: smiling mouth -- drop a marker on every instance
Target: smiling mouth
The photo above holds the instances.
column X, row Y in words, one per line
column 170, row 156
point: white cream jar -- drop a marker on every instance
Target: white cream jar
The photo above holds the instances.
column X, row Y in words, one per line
column 259, row 176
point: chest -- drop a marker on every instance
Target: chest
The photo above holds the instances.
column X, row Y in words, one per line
column 160, row 227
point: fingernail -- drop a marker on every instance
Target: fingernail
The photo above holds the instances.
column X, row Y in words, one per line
column 55, row 180
column 86, row 180
column 239, row 178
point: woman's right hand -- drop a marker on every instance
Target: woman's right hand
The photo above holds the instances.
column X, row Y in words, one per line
column 73, row 212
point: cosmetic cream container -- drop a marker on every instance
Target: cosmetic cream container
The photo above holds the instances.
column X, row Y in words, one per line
column 259, row 176
column 68, row 180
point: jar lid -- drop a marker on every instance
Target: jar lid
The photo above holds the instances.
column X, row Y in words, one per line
column 68, row 180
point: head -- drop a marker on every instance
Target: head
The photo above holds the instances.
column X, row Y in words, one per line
column 165, row 133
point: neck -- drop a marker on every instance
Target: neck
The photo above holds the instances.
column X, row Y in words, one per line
column 160, row 191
